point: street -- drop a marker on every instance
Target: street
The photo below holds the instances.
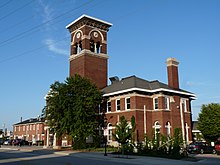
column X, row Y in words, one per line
column 45, row 157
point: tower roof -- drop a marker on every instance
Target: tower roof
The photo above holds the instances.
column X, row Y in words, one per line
column 88, row 20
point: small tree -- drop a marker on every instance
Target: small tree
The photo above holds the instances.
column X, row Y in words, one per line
column 123, row 133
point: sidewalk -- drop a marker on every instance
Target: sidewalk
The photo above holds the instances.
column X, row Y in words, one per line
column 129, row 159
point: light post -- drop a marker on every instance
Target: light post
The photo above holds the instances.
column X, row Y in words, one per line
column 105, row 135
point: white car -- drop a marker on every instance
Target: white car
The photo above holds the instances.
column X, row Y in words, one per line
column 6, row 142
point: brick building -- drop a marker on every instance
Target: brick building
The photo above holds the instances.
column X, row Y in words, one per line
column 155, row 105
column 31, row 130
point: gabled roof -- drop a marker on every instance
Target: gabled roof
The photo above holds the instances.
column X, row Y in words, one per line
column 31, row 120
column 134, row 83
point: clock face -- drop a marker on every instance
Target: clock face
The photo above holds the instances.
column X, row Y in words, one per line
column 78, row 35
column 95, row 34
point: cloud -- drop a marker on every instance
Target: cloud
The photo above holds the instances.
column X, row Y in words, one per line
column 46, row 13
column 56, row 48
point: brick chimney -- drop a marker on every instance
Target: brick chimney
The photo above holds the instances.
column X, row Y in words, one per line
column 172, row 71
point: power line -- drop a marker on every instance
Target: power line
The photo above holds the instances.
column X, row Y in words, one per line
column 5, row 42
column 31, row 51
column 12, row 12
column 11, row 58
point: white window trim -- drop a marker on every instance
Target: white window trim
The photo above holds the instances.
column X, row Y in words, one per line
column 107, row 106
column 166, row 98
column 168, row 127
column 117, row 105
column 126, row 103
column 109, row 128
column 157, row 103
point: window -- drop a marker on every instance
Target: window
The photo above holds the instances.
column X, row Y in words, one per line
column 168, row 128
column 23, row 128
column 109, row 132
column 118, row 105
column 30, row 127
column 109, row 106
column 157, row 129
column 19, row 129
column 27, row 127
column 37, row 127
column 34, row 127
column 155, row 103
column 166, row 103
column 128, row 103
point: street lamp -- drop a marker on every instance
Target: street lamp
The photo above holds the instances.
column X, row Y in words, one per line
column 105, row 135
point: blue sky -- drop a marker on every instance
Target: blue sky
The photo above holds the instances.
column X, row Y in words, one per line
column 34, row 47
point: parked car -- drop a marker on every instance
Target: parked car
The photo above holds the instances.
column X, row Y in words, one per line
column 200, row 148
column 16, row 142
column 6, row 142
column 217, row 147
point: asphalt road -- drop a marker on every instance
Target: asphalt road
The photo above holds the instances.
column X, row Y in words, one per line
column 45, row 157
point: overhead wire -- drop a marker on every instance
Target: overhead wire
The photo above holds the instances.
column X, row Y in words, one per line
column 31, row 51
column 5, row 42
column 36, row 29
column 17, row 9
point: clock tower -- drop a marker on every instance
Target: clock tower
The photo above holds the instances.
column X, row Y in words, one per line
column 88, row 54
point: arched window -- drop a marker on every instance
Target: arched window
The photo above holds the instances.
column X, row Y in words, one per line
column 92, row 46
column 168, row 128
column 157, row 128
column 109, row 132
column 78, row 47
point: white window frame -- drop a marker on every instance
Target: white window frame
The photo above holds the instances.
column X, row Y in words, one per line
column 109, row 132
column 155, row 103
column 156, row 127
column 168, row 128
column 126, row 103
column 116, row 103
column 167, row 102
column 108, row 106
column 183, row 102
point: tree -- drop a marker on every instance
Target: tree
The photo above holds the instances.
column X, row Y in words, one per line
column 123, row 132
column 209, row 121
column 72, row 108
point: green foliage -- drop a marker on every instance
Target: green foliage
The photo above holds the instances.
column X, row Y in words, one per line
column 161, row 145
column 72, row 108
column 123, row 133
column 209, row 121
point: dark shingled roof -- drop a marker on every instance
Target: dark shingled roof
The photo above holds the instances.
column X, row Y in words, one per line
column 135, row 82
column 31, row 120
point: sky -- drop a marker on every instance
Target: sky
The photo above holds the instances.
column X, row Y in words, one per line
column 35, row 47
